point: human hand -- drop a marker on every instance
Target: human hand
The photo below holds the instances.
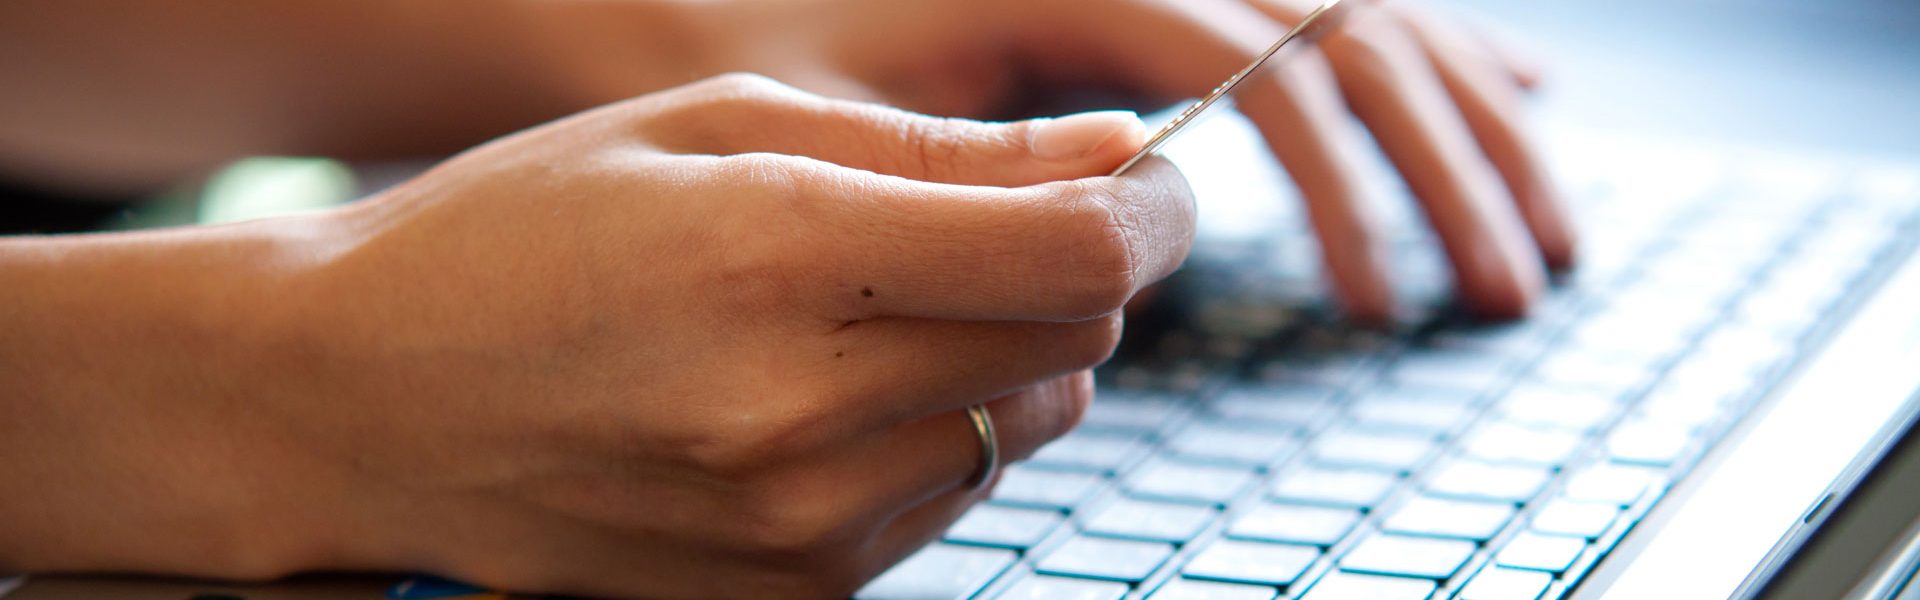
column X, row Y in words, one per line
column 712, row 342
column 1443, row 105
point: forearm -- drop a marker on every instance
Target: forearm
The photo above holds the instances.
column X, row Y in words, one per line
column 130, row 438
column 153, row 91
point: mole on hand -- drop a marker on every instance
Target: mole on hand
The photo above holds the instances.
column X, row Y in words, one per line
column 867, row 292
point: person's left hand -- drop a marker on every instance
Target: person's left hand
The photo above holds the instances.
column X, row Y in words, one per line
column 1442, row 104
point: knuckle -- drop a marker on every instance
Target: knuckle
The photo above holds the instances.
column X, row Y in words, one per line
column 1096, row 340
column 935, row 148
column 1374, row 53
column 764, row 173
column 770, row 255
column 1073, row 405
column 799, row 523
column 713, row 107
column 741, row 84
column 725, row 459
column 1047, row 412
column 750, row 445
column 1098, row 256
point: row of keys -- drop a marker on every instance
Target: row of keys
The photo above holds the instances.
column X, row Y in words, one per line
column 1175, row 467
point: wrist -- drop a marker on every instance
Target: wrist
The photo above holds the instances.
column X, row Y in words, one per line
column 137, row 434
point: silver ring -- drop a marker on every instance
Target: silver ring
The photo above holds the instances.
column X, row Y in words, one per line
column 989, row 446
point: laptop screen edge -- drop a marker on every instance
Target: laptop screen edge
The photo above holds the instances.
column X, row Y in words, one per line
column 1735, row 491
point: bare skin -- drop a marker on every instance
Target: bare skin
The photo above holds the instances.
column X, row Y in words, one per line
column 718, row 335
column 675, row 347
column 359, row 78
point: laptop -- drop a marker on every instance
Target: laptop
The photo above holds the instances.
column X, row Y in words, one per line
column 1718, row 404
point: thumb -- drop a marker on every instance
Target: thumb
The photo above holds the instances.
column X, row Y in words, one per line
column 1104, row 139
column 1069, row 147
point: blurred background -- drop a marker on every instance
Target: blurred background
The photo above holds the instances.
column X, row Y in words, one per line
column 1825, row 75
column 1839, row 77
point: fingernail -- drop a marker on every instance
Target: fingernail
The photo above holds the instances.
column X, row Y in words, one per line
column 1078, row 136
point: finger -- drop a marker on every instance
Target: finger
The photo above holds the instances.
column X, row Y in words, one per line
column 1525, row 70
column 1023, row 424
column 937, row 491
column 748, row 114
column 1293, row 102
column 898, row 370
column 1392, row 88
column 916, row 475
column 916, row 528
column 885, row 246
column 1516, row 62
column 1492, row 107
column 1299, row 112
column 939, row 453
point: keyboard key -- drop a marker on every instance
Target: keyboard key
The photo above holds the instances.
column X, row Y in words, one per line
column 939, row 571
column 1468, row 372
column 1506, row 584
column 1504, row 442
column 1252, row 562
column 1463, row 478
column 1102, row 558
column 1180, row 482
column 1755, row 348
column 1060, row 490
column 1003, row 526
column 1709, row 376
column 1154, row 521
column 1350, row 448
column 1600, row 372
column 1334, row 487
column 1551, row 553
column 1195, row 589
column 1426, row 515
column 1578, row 409
column 1318, row 526
column 1291, row 406
column 1239, row 446
column 1430, row 413
column 1677, row 407
column 1617, row 484
column 1355, row 586
column 1568, row 517
column 1106, row 453
column 1139, row 412
column 1046, row 587
column 1646, row 443
column 1639, row 335
column 1431, row 558
column 1784, row 312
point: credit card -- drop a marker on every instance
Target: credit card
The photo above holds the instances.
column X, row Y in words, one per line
column 1316, row 23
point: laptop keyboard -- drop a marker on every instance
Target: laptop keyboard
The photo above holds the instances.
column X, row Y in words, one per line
column 1253, row 453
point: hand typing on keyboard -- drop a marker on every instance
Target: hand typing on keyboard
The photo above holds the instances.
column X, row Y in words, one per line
column 713, row 342
column 1442, row 104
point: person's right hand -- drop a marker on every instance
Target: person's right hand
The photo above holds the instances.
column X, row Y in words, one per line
column 712, row 342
